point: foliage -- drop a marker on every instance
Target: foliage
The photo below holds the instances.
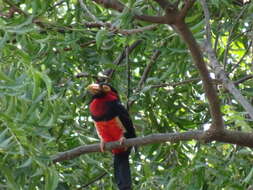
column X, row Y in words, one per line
column 43, row 106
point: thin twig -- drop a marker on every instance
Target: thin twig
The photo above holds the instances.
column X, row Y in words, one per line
column 148, row 68
column 163, row 3
column 16, row 8
column 186, row 8
column 230, row 36
column 87, row 43
column 239, row 81
column 128, row 76
column 145, row 74
column 93, row 181
column 57, row 4
column 244, row 55
column 116, row 30
column 120, row 58
column 85, row 8
column 175, row 83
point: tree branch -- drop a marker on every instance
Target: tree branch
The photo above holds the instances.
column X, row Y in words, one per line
column 176, row 83
column 113, row 29
column 152, row 19
column 112, row 4
column 163, row 3
column 230, row 35
column 14, row 7
column 85, row 8
column 232, row 137
column 219, row 72
column 236, row 137
column 186, row 8
column 93, row 181
column 241, row 59
column 243, row 79
column 148, row 68
column 118, row 6
column 145, row 74
column 211, row 94
column 154, row 138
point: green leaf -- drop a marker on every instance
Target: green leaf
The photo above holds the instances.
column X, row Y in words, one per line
column 4, row 77
column 52, row 179
column 6, row 143
column 249, row 176
column 27, row 163
column 100, row 37
column 3, row 40
column 48, row 83
column 248, row 91
column 3, row 134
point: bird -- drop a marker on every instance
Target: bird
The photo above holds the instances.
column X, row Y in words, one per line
column 113, row 123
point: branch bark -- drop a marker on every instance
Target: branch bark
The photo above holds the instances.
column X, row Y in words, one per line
column 154, row 138
column 185, row 9
column 174, row 18
column 118, row 30
column 163, row 3
column 112, row 4
column 232, row 137
column 241, row 80
column 211, row 94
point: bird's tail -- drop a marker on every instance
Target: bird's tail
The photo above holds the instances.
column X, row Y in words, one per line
column 122, row 171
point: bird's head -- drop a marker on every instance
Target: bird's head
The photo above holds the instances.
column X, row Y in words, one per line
column 101, row 89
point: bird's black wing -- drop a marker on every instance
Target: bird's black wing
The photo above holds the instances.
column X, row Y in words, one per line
column 125, row 119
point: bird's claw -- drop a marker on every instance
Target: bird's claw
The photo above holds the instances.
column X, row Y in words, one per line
column 122, row 140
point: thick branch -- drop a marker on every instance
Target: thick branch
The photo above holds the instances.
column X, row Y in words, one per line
column 232, row 137
column 154, row 138
column 152, row 19
column 112, row 4
column 236, row 137
column 197, row 56
column 219, row 72
column 118, row 6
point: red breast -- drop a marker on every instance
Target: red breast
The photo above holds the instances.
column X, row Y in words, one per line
column 98, row 106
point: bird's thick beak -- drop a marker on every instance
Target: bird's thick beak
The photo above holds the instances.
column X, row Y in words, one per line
column 94, row 88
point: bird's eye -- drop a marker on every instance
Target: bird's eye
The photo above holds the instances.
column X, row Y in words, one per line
column 106, row 88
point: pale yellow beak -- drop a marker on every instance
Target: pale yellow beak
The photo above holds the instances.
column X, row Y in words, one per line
column 94, row 88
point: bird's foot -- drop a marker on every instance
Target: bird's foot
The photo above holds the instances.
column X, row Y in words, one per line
column 122, row 140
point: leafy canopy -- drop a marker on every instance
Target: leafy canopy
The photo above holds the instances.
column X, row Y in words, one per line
column 43, row 106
